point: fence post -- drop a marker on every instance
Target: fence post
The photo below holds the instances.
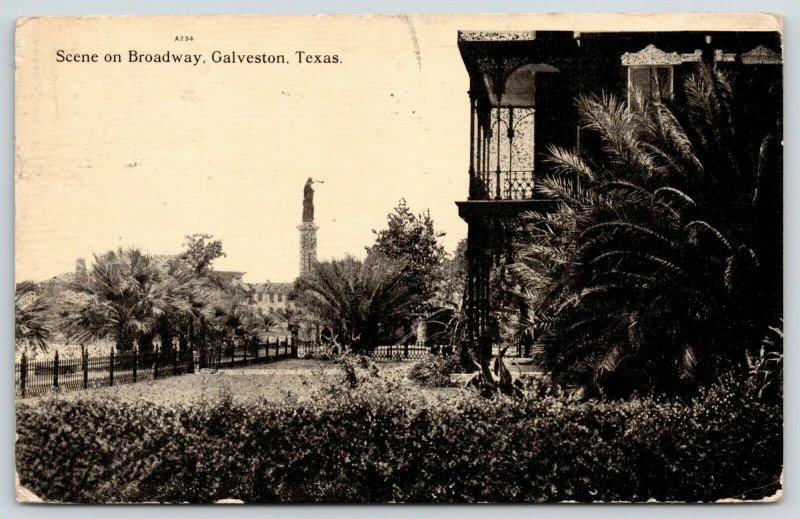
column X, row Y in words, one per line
column 155, row 364
column 245, row 353
column 111, row 368
column 258, row 347
column 295, row 346
column 233, row 353
column 174, row 361
column 405, row 350
column 85, row 365
column 23, row 372
column 55, row 371
column 135, row 363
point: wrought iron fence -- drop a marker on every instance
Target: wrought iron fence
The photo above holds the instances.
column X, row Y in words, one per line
column 40, row 376
column 400, row 352
column 54, row 374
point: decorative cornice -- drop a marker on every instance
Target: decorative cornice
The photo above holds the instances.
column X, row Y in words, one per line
column 496, row 35
column 692, row 57
column 724, row 57
column 762, row 55
column 651, row 55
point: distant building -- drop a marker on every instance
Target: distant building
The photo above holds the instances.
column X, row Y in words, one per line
column 270, row 297
column 234, row 278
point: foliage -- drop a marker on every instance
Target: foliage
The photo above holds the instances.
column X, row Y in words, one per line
column 435, row 371
column 200, row 251
column 361, row 302
column 644, row 275
column 127, row 297
column 230, row 322
column 766, row 367
column 495, row 377
column 454, row 274
column 411, row 238
column 356, row 368
column 446, row 318
column 133, row 299
column 31, row 327
column 376, row 443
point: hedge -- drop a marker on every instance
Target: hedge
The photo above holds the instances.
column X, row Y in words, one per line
column 366, row 445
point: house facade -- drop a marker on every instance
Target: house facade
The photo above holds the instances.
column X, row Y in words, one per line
column 522, row 98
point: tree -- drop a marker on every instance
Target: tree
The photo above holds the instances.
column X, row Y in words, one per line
column 31, row 327
column 644, row 277
column 411, row 238
column 363, row 303
column 127, row 296
column 446, row 320
column 200, row 251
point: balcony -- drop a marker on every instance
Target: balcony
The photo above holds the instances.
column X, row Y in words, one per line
column 502, row 185
column 522, row 96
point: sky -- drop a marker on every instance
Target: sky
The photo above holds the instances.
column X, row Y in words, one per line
column 142, row 154
column 133, row 154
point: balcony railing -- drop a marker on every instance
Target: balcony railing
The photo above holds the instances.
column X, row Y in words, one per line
column 502, row 185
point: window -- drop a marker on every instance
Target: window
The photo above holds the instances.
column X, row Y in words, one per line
column 280, row 298
column 260, row 297
column 651, row 73
column 272, row 298
column 649, row 83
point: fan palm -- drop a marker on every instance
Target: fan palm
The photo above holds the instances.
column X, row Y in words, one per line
column 643, row 277
column 362, row 303
column 126, row 299
column 31, row 328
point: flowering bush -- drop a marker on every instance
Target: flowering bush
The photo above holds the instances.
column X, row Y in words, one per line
column 382, row 443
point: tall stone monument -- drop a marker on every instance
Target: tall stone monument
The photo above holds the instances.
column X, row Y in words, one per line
column 308, row 231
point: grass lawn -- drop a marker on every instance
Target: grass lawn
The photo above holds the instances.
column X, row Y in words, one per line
column 292, row 380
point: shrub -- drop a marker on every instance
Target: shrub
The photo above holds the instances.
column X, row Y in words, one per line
column 373, row 445
column 435, row 371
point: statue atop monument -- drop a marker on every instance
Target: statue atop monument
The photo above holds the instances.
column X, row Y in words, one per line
column 308, row 200
column 308, row 230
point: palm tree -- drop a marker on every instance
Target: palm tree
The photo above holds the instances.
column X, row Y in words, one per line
column 643, row 276
column 31, row 328
column 126, row 299
column 363, row 303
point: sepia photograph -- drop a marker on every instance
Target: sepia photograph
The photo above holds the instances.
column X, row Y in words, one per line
column 532, row 258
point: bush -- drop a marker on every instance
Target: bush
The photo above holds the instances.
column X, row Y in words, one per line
column 435, row 371
column 372, row 445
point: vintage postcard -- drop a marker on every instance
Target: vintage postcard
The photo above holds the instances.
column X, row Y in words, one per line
column 399, row 259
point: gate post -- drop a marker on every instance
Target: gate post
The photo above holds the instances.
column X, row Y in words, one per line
column 295, row 335
column 55, row 371
column 23, row 372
